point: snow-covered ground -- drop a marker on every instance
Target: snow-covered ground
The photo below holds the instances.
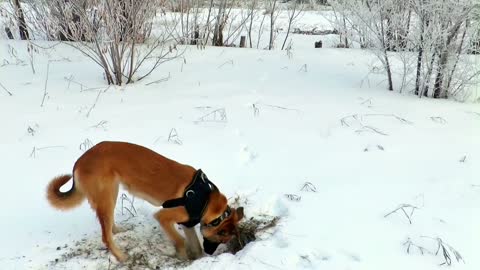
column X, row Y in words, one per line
column 261, row 124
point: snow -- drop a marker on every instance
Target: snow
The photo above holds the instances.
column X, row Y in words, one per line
column 391, row 149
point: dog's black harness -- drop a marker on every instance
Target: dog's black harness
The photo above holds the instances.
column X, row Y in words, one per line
column 195, row 198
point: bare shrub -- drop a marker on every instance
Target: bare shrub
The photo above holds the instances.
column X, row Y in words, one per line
column 407, row 210
column 116, row 35
column 434, row 246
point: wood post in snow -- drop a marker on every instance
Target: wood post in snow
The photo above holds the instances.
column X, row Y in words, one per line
column 9, row 32
column 242, row 41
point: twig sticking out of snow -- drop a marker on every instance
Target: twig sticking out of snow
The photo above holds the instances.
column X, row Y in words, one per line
column 6, row 90
column 293, row 197
column 365, row 128
column 402, row 207
column 46, row 82
column 447, row 251
column 410, row 244
column 14, row 55
column 96, row 100
column 280, row 107
column 360, row 117
column 367, row 102
column 379, row 147
column 438, row 119
column 303, row 68
column 228, row 62
column 33, row 130
column 256, row 108
column 130, row 208
column 159, row 81
column 102, row 124
column 475, row 113
column 83, row 87
column 35, row 149
column 85, row 145
column 309, row 187
column 174, row 138
column 218, row 115
column 372, row 129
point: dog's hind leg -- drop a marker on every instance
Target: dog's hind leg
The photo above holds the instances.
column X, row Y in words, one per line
column 115, row 228
column 105, row 212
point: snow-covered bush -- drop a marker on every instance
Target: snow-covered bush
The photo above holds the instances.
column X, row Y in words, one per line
column 433, row 38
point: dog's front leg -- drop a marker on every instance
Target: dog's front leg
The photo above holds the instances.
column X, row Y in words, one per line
column 193, row 245
column 167, row 219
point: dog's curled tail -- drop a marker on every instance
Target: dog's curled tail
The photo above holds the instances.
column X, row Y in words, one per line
column 63, row 200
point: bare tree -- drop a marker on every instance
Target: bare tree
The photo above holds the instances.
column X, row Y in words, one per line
column 372, row 18
column 444, row 28
column 220, row 24
column 252, row 10
column 116, row 35
column 294, row 10
column 273, row 13
column 438, row 31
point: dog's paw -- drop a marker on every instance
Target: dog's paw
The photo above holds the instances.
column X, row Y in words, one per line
column 194, row 254
column 181, row 253
column 120, row 229
column 121, row 257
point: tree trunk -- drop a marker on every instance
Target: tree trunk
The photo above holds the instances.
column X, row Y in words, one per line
column 272, row 24
column 420, row 58
column 251, row 24
column 385, row 55
column 345, row 27
column 440, row 90
column 419, row 68
column 459, row 53
column 288, row 30
column 389, row 71
column 217, row 39
column 22, row 25
column 429, row 75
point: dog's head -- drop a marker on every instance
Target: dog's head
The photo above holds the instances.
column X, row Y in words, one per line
column 219, row 223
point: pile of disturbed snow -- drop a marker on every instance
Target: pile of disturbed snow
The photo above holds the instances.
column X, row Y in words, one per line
column 148, row 247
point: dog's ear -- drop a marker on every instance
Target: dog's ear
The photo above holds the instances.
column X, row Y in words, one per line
column 239, row 211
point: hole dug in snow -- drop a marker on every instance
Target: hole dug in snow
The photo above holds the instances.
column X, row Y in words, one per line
column 249, row 230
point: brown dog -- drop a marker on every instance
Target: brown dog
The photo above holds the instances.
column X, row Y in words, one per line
column 187, row 196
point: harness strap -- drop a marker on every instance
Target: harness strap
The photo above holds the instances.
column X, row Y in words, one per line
column 174, row 203
column 195, row 198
